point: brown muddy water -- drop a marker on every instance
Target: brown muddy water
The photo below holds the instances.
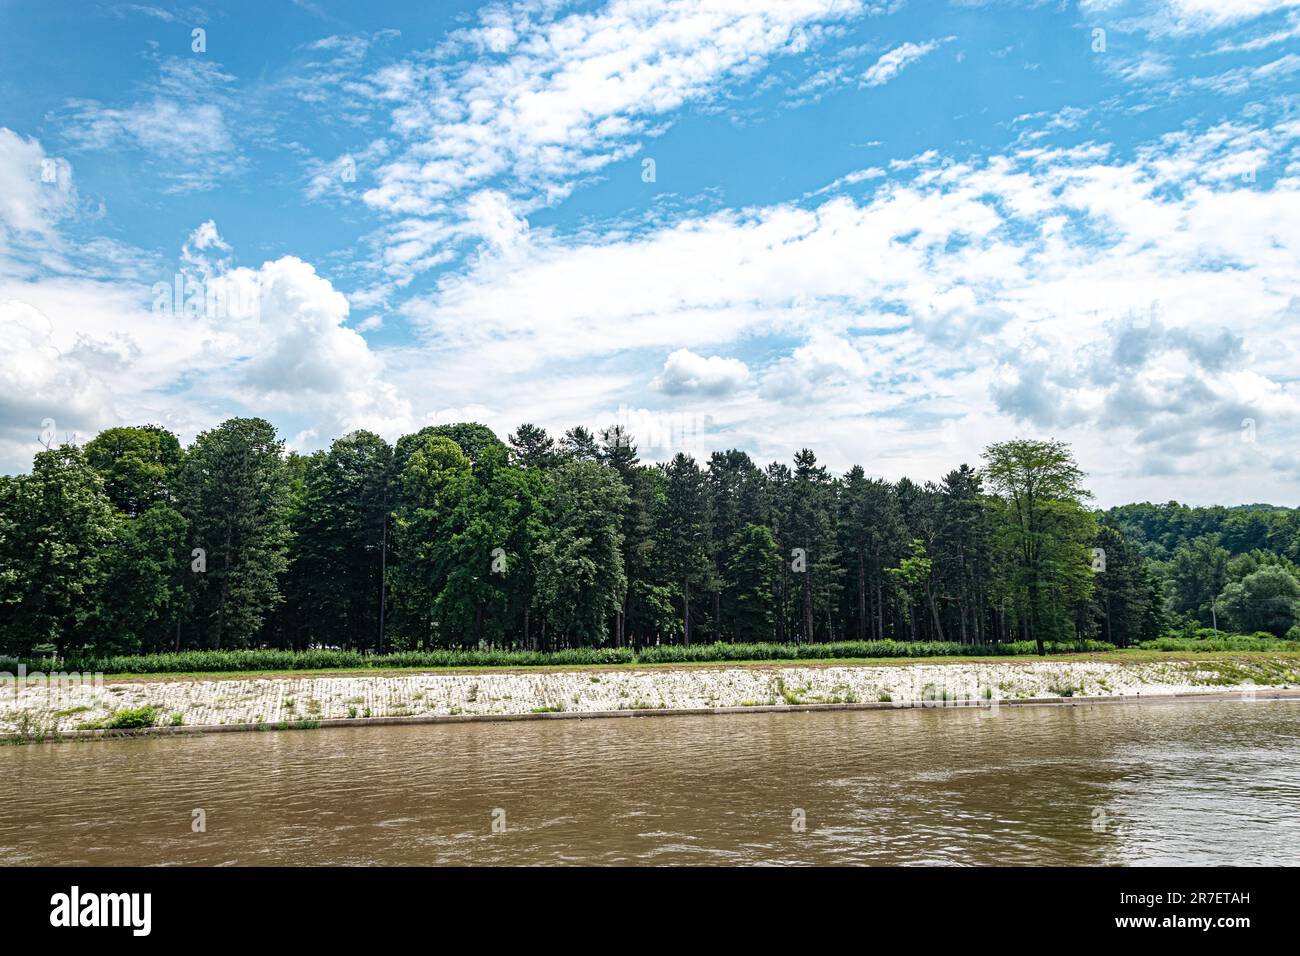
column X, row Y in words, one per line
column 1195, row 784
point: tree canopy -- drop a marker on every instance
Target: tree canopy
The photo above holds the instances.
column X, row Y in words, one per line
column 452, row 538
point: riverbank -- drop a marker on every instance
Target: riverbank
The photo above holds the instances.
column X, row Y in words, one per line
column 41, row 711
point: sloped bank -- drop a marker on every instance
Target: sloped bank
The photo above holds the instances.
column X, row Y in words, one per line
column 39, row 711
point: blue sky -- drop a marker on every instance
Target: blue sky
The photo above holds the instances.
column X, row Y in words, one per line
column 889, row 231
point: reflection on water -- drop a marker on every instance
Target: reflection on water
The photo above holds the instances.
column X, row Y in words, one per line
column 1134, row 784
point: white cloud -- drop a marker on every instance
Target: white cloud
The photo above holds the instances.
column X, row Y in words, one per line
column 488, row 214
column 271, row 339
column 39, row 381
column 1242, row 78
column 1199, row 15
column 1260, row 42
column 535, row 99
column 36, row 191
column 892, row 63
column 824, row 360
column 685, row 372
column 957, row 303
column 1180, row 17
column 181, row 128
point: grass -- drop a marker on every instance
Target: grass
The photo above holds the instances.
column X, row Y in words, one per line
column 28, row 727
column 1236, row 643
column 291, row 725
column 135, row 719
column 1122, row 655
column 269, row 660
column 790, row 697
column 1247, row 669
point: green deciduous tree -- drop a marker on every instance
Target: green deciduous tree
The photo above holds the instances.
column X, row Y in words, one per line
column 1045, row 531
column 1197, row 574
column 138, row 466
column 233, row 490
column 581, row 581
column 56, row 525
column 1266, row 600
column 141, row 599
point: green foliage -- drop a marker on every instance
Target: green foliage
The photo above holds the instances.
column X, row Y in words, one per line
column 1229, row 643
column 451, row 541
column 1044, row 530
column 873, row 539
column 56, row 525
column 1127, row 599
column 1159, row 531
column 197, row 662
column 750, row 580
column 1197, row 574
column 581, row 580
column 233, row 489
column 135, row 719
column 1264, row 600
column 339, row 531
column 682, row 540
column 138, row 466
column 141, row 598
column 531, row 447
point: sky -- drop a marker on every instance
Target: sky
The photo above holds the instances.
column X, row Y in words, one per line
column 893, row 232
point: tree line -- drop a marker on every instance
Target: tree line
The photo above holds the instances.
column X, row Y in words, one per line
column 452, row 538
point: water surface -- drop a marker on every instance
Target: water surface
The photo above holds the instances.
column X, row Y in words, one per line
column 1131, row 784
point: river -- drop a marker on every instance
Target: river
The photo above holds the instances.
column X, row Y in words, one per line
column 1195, row 784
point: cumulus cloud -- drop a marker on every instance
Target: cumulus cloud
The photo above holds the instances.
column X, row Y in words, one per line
column 823, row 360
column 1032, row 288
column 40, row 382
column 685, row 372
column 239, row 340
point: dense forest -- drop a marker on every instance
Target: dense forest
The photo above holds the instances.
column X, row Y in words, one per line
column 452, row 538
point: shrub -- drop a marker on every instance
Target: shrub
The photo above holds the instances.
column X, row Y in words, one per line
column 1236, row 642
column 322, row 659
column 133, row 719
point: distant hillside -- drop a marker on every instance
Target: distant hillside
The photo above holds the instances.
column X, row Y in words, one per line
column 1158, row 530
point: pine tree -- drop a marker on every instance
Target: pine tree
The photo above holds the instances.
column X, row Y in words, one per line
column 683, row 535
column 750, row 578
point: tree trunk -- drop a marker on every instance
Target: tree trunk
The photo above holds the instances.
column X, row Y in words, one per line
column 862, row 597
column 780, row 610
column 1034, row 622
column 934, row 612
column 686, row 612
column 880, row 611
column 807, row 607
